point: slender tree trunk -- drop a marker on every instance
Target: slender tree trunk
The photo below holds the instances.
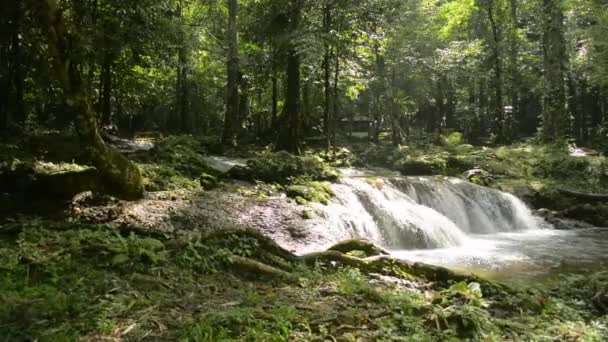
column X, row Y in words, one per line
column 244, row 104
column 182, row 121
column 183, row 103
column 395, row 113
column 498, row 104
column 275, row 101
column 554, row 111
column 514, row 75
column 327, row 75
column 121, row 177
column 229, row 137
column 336, row 94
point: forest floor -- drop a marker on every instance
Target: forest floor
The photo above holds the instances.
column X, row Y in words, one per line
column 95, row 268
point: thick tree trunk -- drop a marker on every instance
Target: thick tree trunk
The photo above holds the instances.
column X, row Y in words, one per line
column 289, row 139
column 106, row 89
column 289, row 136
column 554, row 111
column 120, row 177
column 229, row 137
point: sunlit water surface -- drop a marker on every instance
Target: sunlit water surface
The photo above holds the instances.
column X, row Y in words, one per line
column 530, row 256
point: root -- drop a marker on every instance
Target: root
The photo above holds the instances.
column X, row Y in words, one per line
column 359, row 245
column 380, row 262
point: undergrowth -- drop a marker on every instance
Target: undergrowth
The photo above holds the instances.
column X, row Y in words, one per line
column 73, row 282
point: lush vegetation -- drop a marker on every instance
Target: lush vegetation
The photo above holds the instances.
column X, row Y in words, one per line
column 501, row 93
column 69, row 282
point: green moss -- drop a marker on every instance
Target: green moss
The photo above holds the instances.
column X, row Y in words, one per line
column 208, row 181
column 308, row 215
column 311, row 191
column 282, row 168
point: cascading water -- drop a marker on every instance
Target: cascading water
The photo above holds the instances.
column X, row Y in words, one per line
column 435, row 220
column 422, row 212
column 457, row 224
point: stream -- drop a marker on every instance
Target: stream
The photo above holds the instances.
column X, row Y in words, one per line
column 448, row 222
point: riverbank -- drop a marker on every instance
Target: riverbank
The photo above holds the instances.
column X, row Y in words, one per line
column 96, row 268
column 74, row 282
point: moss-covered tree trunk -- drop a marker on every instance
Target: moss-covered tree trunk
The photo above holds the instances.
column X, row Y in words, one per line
column 120, row 177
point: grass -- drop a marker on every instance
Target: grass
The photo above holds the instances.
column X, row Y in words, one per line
column 65, row 282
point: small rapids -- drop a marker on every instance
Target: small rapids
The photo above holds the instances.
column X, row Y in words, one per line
column 453, row 223
column 423, row 212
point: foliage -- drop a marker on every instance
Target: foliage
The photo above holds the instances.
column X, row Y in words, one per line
column 66, row 282
column 283, row 168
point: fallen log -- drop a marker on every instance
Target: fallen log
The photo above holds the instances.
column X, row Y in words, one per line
column 585, row 196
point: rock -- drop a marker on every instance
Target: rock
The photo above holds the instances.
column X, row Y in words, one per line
column 208, row 182
column 422, row 166
column 478, row 176
column 595, row 214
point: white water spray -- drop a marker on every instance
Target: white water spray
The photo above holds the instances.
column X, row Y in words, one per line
column 422, row 212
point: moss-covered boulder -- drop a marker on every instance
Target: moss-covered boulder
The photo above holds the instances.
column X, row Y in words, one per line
column 310, row 192
column 283, row 167
column 422, row 165
column 208, row 181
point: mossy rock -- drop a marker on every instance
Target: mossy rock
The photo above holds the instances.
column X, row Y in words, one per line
column 310, row 192
column 422, row 166
column 283, row 167
column 208, row 181
column 596, row 214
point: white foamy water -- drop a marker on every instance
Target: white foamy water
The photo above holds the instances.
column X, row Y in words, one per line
column 422, row 213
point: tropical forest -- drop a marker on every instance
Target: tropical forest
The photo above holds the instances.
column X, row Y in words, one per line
column 303, row 170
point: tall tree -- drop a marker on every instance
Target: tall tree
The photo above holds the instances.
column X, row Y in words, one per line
column 554, row 61
column 120, row 177
column 231, row 120
column 289, row 136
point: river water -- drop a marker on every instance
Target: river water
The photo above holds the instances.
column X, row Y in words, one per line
column 453, row 223
column 448, row 222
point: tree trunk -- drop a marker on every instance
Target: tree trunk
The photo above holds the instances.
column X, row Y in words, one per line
column 244, row 104
column 336, row 99
column 554, row 111
column 514, row 75
column 275, row 101
column 289, row 139
column 327, row 75
column 106, row 87
column 289, row 136
column 182, row 121
column 229, row 137
column 395, row 112
column 498, row 105
column 120, row 177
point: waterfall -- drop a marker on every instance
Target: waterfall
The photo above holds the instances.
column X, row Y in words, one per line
column 422, row 212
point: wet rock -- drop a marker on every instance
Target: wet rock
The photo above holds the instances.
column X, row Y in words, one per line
column 595, row 214
column 478, row 176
